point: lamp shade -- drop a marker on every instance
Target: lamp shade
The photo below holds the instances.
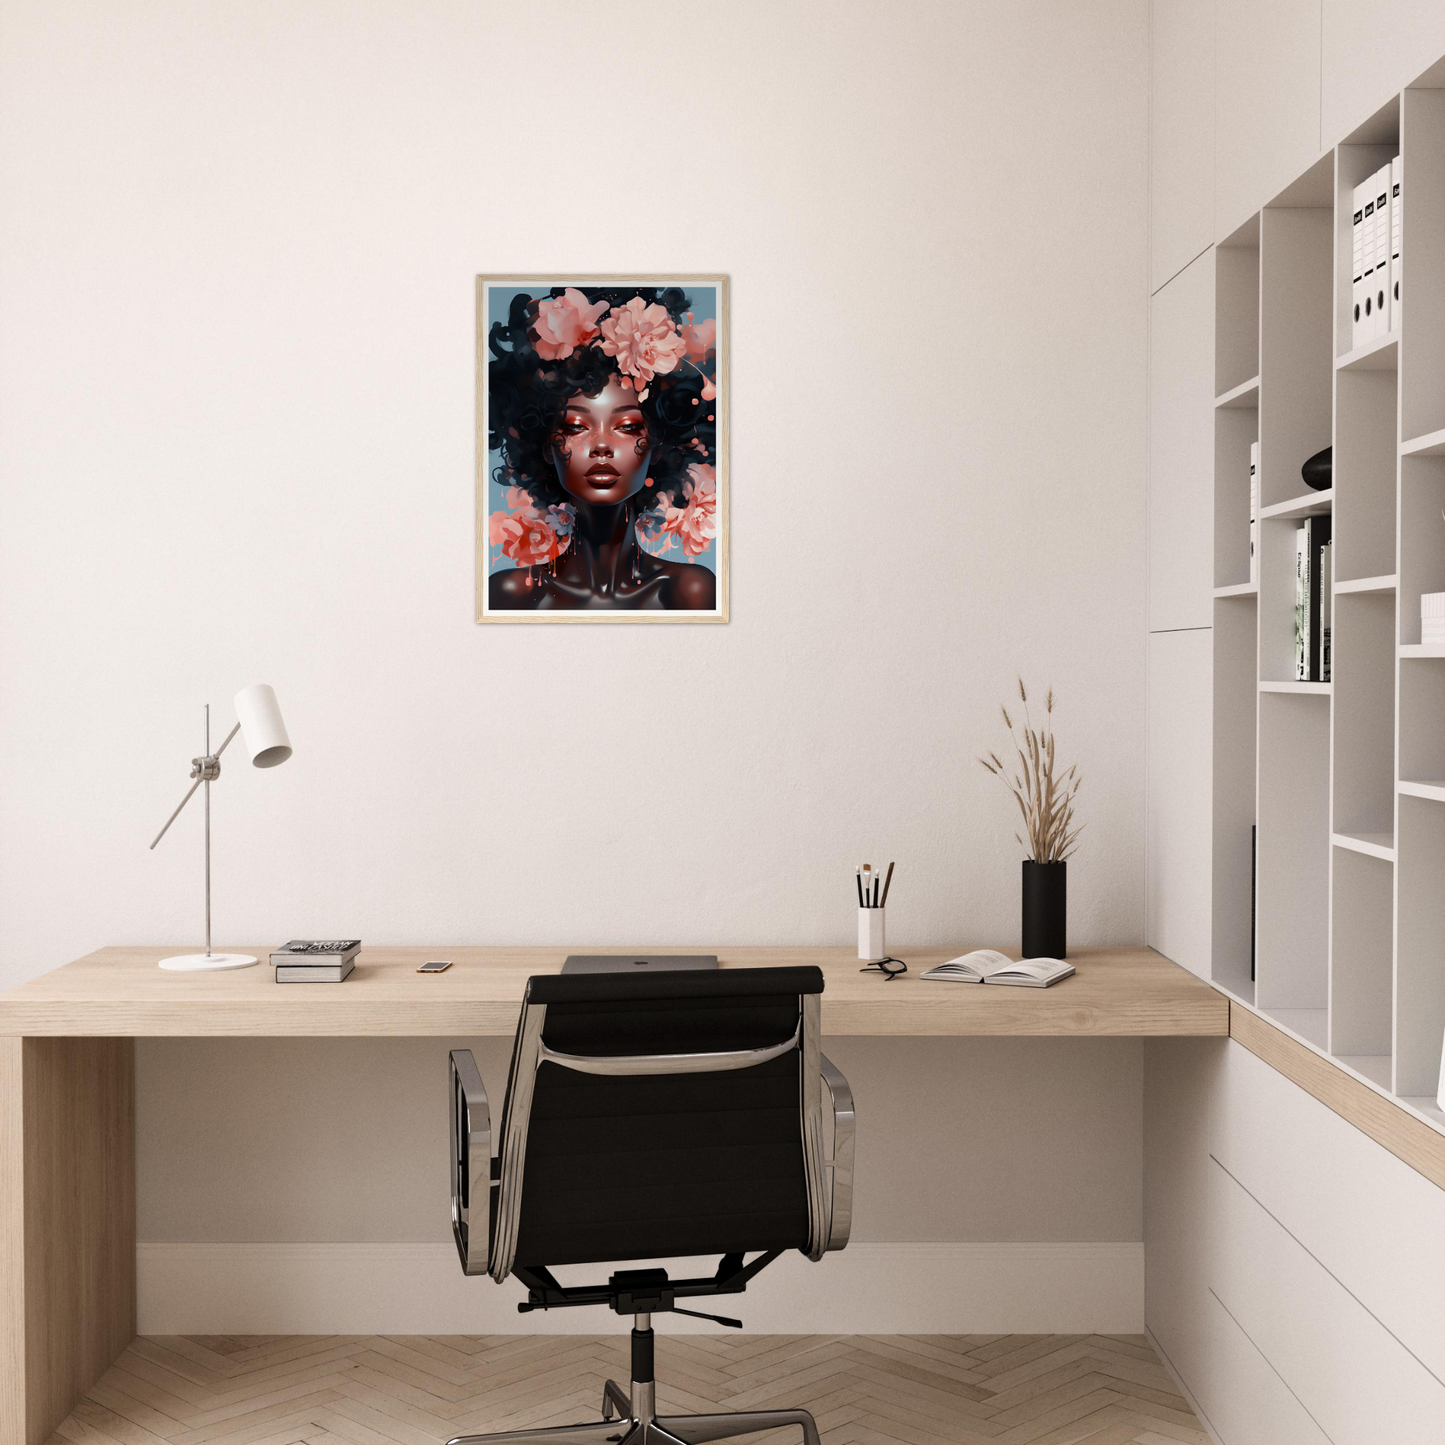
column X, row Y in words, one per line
column 262, row 730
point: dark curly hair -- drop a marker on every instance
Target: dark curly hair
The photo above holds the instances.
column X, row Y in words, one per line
column 527, row 398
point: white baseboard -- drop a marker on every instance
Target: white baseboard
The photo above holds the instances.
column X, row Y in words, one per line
column 313, row 1289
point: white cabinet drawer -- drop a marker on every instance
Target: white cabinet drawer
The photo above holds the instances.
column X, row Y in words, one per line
column 1355, row 1379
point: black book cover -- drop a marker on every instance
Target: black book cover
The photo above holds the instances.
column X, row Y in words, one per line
column 1317, row 533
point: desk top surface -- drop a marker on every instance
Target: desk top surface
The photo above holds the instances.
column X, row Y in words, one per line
column 120, row 992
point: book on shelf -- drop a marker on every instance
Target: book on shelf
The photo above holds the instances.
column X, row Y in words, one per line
column 314, row 972
column 1310, row 613
column 988, row 965
column 1301, row 606
column 1326, row 606
column 1254, row 514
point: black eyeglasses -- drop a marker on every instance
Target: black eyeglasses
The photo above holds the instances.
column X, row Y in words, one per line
column 890, row 968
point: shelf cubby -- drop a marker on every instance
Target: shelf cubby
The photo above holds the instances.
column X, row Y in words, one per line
column 1422, row 721
column 1294, row 852
column 1422, row 254
column 1236, row 705
column 1420, row 963
column 1235, row 429
column 1422, row 537
column 1296, row 324
column 1362, row 902
column 1365, row 459
column 1236, row 314
column 1356, row 160
column 1364, row 703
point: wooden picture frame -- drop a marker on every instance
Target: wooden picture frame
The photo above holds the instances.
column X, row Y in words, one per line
column 602, row 359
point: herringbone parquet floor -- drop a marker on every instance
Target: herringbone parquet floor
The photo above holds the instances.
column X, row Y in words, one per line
column 419, row 1390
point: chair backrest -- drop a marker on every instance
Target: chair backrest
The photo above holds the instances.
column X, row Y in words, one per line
column 662, row 1115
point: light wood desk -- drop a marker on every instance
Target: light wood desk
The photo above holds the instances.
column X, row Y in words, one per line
column 67, row 1091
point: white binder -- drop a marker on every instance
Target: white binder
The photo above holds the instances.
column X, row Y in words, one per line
column 1382, row 251
column 1254, row 513
column 1357, row 268
column 1396, row 225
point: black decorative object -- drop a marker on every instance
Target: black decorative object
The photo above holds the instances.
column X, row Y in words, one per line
column 1319, row 471
column 1046, row 900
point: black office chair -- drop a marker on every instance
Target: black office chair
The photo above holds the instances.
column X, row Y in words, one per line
column 650, row 1117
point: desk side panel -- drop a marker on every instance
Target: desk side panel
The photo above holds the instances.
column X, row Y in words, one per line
column 77, row 1153
column 12, row 1245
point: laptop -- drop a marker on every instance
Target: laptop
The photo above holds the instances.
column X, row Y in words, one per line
column 637, row 962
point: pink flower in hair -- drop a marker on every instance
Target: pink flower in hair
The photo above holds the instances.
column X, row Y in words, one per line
column 695, row 524
column 565, row 323
column 644, row 341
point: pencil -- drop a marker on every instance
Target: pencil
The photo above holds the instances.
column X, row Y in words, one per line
column 887, row 883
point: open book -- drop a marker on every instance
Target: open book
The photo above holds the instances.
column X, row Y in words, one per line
column 987, row 965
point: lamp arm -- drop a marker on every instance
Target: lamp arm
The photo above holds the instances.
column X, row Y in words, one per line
column 227, row 743
column 200, row 771
column 177, row 813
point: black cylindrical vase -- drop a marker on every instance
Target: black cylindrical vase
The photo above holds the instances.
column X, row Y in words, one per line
column 1046, row 909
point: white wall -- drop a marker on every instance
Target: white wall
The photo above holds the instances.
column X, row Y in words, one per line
column 237, row 256
column 237, row 358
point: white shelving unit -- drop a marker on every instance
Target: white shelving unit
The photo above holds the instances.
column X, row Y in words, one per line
column 1344, row 781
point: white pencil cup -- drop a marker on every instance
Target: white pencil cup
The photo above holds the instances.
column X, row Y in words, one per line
column 871, row 946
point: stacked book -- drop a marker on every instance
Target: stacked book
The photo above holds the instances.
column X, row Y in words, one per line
column 1312, row 601
column 315, row 960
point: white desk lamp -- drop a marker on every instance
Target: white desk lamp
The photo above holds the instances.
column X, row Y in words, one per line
column 258, row 720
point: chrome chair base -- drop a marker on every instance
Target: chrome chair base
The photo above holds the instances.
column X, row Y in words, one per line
column 641, row 1427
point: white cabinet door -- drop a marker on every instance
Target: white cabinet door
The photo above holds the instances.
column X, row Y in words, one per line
column 1178, row 901
column 1181, row 134
column 1370, row 52
column 1266, row 103
column 1181, row 450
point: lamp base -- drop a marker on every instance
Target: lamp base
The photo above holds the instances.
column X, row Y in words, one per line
column 206, row 962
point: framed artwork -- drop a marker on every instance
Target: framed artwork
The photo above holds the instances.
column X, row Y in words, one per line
column 602, row 479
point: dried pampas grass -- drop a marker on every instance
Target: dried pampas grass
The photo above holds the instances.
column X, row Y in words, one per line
column 1046, row 801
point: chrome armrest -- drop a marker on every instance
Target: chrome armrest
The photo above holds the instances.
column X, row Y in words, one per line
column 840, row 1166
column 471, row 1126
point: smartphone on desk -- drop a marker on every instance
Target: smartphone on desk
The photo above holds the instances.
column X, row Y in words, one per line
column 435, row 965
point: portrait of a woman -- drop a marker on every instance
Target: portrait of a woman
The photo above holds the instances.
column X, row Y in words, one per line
column 602, row 476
